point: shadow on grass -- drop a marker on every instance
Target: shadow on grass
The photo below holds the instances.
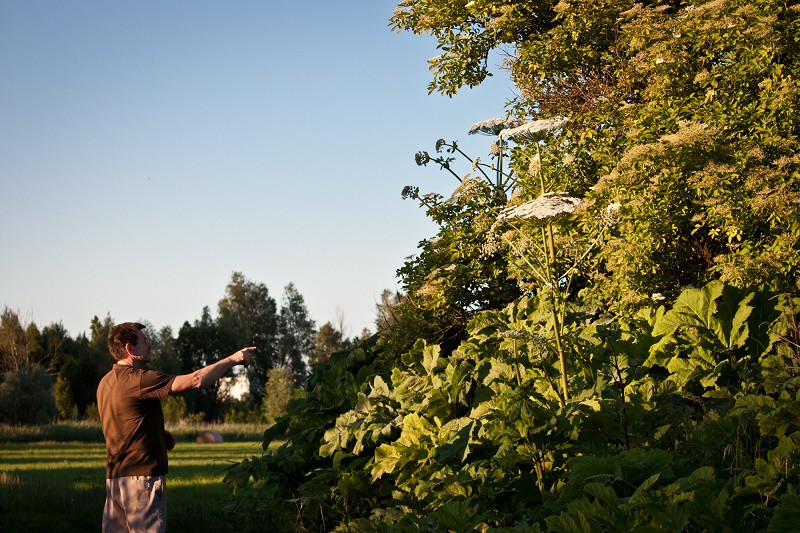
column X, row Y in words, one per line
column 43, row 505
column 61, row 487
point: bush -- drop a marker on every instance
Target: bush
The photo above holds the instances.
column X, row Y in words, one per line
column 88, row 431
column 187, row 432
column 92, row 413
column 243, row 412
column 26, row 396
column 278, row 392
column 65, row 406
column 174, row 408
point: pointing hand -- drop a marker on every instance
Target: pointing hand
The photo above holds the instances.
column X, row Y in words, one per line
column 244, row 356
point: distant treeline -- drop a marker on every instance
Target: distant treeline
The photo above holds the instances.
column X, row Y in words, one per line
column 48, row 374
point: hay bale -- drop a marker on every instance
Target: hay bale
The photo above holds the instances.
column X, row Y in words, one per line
column 209, row 437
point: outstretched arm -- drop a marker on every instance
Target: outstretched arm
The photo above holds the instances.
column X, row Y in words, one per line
column 211, row 373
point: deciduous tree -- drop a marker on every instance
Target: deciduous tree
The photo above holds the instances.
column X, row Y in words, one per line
column 683, row 113
column 327, row 341
column 296, row 332
column 250, row 315
column 20, row 343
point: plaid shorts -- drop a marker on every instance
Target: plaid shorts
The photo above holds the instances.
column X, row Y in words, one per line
column 135, row 503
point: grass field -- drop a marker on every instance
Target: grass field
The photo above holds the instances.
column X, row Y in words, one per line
column 47, row 486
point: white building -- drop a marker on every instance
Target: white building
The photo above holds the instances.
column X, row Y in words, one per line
column 234, row 387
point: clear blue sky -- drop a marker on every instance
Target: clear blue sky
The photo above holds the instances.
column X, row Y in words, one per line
column 149, row 149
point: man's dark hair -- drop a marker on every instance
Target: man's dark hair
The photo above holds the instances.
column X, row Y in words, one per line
column 120, row 335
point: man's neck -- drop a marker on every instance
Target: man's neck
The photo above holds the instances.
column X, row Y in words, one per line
column 136, row 364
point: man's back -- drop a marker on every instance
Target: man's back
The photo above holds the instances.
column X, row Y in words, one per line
column 129, row 403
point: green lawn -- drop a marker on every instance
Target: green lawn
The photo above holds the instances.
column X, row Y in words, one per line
column 61, row 486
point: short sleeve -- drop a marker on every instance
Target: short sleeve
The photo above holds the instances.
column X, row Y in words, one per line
column 154, row 384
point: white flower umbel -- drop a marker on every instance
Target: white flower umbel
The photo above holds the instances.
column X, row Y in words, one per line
column 610, row 216
column 531, row 129
column 547, row 206
column 494, row 126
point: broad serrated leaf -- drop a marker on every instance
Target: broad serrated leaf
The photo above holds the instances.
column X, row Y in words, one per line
column 786, row 516
column 275, row 431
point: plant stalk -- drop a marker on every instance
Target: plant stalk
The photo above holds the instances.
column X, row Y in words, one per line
column 549, row 245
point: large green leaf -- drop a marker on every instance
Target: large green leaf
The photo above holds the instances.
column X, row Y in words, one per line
column 786, row 516
column 715, row 312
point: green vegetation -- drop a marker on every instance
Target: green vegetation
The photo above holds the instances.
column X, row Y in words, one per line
column 61, row 486
column 603, row 334
column 26, row 396
column 689, row 411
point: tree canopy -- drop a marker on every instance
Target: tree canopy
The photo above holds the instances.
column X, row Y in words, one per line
column 55, row 369
column 685, row 113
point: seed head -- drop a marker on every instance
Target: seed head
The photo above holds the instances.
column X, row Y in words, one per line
column 422, row 158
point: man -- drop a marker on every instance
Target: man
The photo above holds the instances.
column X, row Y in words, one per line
column 129, row 401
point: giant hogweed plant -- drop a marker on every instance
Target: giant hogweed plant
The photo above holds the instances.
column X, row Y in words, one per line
column 700, row 436
column 687, row 413
column 492, row 433
column 536, row 266
column 545, row 266
column 452, row 277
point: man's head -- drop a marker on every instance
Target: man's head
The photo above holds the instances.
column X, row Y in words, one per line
column 128, row 339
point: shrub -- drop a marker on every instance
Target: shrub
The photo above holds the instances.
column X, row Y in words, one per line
column 278, row 392
column 243, row 412
column 88, row 431
column 26, row 396
column 92, row 413
column 174, row 408
column 65, row 406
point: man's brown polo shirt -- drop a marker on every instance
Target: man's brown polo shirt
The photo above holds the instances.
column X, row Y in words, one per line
column 129, row 402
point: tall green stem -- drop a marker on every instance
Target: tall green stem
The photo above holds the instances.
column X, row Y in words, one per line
column 548, row 242
column 561, row 359
column 499, row 184
column 541, row 174
column 550, row 258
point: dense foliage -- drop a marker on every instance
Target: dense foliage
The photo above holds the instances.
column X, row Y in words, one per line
column 683, row 112
column 629, row 361
column 26, row 396
column 684, row 416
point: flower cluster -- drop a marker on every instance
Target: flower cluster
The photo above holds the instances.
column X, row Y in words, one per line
column 494, row 126
column 532, row 129
column 547, row 206
column 494, row 241
column 610, row 216
column 422, row 158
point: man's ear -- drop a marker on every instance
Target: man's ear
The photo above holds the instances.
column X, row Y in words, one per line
column 128, row 347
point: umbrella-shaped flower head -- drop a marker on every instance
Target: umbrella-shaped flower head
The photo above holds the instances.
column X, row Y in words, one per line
column 544, row 208
column 494, row 126
column 530, row 130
